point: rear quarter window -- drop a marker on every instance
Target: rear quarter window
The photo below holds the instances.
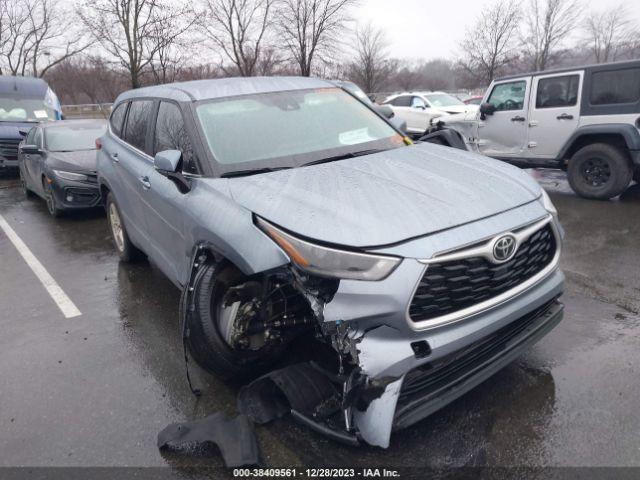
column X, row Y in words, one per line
column 615, row 87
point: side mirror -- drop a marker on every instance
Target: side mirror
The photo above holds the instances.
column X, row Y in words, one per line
column 487, row 109
column 385, row 110
column 167, row 161
column 30, row 150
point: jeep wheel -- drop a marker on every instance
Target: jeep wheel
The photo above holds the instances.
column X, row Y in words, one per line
column 599, row 171
column 211, row 326
column 127, row 251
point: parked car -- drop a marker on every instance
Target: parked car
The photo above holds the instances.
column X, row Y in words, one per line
column 57, row 161
column 24, row 101
column 423, row 269
column 418, row 109
column 585, row 120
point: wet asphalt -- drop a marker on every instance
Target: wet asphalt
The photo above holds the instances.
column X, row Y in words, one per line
column 96, row 389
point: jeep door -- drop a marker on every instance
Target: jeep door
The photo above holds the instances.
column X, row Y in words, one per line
column 166, row 211
column 133, row 166
column 504, row 134
column 554, row 113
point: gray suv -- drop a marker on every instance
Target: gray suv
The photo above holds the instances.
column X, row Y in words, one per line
column 286, row 208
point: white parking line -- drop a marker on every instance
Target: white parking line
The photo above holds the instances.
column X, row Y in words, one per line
column 66, row 306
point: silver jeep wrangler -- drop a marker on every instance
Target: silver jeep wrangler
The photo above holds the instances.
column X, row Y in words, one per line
column 583, row 120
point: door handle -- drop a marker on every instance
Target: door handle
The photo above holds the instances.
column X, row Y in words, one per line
column 114, row 157
column 565, row 116
column 146, row 184
column 518, row 118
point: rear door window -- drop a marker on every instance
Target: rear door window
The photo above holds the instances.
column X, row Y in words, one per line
column 615, row 87
column 402, row 101
column 171, row 134
column 117, row 116
column 138, row 121
column 558, row 92
column 508, row 96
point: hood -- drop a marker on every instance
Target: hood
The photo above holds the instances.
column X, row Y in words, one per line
column 387, row 197
column 458, row 109
column 11, row 130
column 80, row 161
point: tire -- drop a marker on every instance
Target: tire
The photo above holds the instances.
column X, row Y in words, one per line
column 599, row 171
column 205, row 341
column 127, row 251
column 25, row 189
column 52, row 205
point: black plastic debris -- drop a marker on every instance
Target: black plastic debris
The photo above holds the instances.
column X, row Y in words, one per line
column 233, row 436
column 301, row 387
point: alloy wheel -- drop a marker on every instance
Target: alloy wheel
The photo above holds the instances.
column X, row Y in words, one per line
column 116, row 227
column 596, row 171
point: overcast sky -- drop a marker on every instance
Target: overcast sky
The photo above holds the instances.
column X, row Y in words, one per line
column 430, row 29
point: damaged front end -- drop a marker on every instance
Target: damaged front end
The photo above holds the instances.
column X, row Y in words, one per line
column 386, row 370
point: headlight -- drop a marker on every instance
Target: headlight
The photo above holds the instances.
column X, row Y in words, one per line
column 70, row 175
column 548, row 204
column 330, row 262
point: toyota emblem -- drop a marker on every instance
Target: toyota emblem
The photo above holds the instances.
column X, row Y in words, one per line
column 504, row 248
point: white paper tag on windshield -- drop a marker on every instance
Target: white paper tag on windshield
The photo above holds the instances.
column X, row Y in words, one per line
column 40, row 113
column 353, row 137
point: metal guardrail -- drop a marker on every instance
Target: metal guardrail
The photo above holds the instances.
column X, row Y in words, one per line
column 88, row 110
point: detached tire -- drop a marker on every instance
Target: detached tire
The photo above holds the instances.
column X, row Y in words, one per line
column 205, row 342
column 127, row 251
column 599, row 171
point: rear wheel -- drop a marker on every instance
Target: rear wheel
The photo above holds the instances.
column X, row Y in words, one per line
column 127, row 251
column 600, row 171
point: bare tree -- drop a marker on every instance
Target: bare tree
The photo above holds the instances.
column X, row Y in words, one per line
column 371, row 66
column 238, row 28
column 311, row 29
column 126, row 28
column 489, row 45
column 608, row 33
column 548, row 24
column 36, row 35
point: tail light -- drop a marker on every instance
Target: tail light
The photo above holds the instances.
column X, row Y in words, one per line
column 98, row 144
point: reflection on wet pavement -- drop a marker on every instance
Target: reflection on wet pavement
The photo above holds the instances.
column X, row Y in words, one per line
column 97, row 389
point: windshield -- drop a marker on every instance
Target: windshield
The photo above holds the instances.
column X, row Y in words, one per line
column 73, row 138
column 443, row 100
column 289, row 129
column 25, row 110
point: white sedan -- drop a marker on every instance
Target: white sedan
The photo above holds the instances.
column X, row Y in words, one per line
column 418, row 108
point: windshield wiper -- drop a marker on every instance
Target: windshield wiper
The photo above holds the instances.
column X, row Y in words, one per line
column 251, row 171
column 344, row 156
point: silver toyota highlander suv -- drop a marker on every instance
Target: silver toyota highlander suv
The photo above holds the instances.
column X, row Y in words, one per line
column 286, row 206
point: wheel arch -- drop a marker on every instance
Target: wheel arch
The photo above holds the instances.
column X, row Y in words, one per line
column 623, row 136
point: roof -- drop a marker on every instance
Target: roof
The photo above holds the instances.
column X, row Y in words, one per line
column 25, row 87
column 600, row 66
column 225, row 87
column 78, row 123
